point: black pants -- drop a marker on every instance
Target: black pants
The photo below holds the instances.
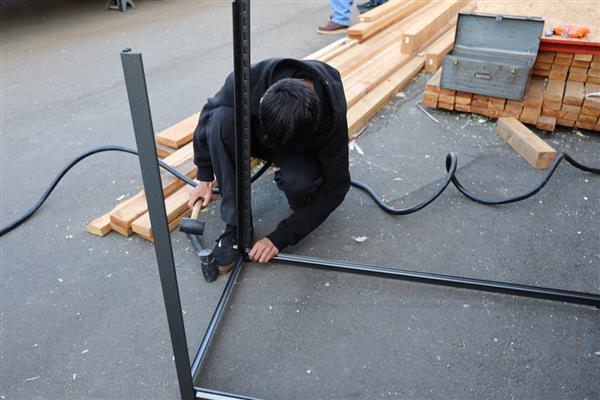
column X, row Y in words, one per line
column 299, row 175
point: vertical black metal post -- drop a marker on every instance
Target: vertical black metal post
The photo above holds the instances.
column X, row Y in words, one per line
column 137, row 92
column 241, row 68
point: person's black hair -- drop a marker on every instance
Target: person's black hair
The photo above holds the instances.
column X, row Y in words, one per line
column 288, row 109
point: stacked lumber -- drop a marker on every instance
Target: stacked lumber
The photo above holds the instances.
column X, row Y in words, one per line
column 564, row 66
column 548, row 102
column 377, row 59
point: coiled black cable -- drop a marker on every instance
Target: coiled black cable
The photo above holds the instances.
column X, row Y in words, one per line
column 451, row 166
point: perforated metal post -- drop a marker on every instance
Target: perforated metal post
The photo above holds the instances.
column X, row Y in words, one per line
column 241, row 64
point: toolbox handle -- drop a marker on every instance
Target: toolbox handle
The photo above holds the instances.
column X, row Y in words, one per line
column 483, row 75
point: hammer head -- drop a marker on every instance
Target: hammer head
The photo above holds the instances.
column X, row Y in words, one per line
column 191, row 226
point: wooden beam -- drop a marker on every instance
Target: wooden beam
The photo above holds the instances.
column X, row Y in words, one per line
column 532, row 148
column 364, row 30
column 425, row 25
column 101, row 225
column 352, row 59
column 175, row 205
column 360, row 113
column 332, row 50
column 380, row 11
column 182, row 159
column 435, row 54
column 179, row 134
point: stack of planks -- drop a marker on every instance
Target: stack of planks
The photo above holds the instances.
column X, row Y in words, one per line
column 380, row 55
column 564, row 66
column 548, row 102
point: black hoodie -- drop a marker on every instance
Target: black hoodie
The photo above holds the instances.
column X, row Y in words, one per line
column 329, row 142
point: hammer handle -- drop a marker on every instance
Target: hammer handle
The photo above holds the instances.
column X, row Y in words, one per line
column 197, row 208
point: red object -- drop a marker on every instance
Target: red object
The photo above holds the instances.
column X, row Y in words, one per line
column 570, row 46
column 571, row 31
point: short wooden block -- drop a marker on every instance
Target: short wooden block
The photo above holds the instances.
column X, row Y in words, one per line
column 462, row 107
column 530, row 115
column 433, row 84
column 580, row 64
column 535, row 93
column 552, row 105
column 565, row 56
column 569, row 123
column 446, row 106
column 448, row 92
column 587, row 119
column 546, row 123
column 541, row 72
column 542, row 66
column 584, row 125
column 583, row 57
column 561, row 62
column 463, row 98
column 430, row 99
column 574, row 92
column 550, row 113
column 532, row 148
column 592, row 79
column 569, row 111
column 444, row 98
column 496, row 103
column 545, row 57
column 554, row 91
column 577, row 77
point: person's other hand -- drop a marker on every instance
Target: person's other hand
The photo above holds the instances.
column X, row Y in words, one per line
column 202, row 191
column 263, row 250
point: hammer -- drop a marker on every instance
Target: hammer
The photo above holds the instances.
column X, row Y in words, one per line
column 195, row 228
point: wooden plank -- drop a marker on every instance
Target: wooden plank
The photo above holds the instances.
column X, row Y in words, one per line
column 364, row 30
column 172, row 225
column 380, row 11
column 360, row 113
column 533, row 149
column 179, row 134
column 332, row 50
column 101, row 225
column 164, row 151
column 423, row 26
column 175, row 205
column 182, row 159
column 352, row 59
column 373, row 72
column 435, row 54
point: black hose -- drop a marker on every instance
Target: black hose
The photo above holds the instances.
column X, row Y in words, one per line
column 12, row 225
column 451, row 166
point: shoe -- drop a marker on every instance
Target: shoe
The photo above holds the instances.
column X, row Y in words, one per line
column 226, row 251
column 332, row 28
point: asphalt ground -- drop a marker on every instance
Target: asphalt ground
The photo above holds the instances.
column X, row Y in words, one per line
column 82, row 317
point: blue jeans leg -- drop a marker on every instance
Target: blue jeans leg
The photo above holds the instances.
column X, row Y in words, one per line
column 341, row 11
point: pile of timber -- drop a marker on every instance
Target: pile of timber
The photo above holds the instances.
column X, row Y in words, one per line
column 381, row 54
column 555, row 95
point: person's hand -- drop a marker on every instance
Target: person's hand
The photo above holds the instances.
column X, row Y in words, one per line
column 202, row 191
column 263, row 251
